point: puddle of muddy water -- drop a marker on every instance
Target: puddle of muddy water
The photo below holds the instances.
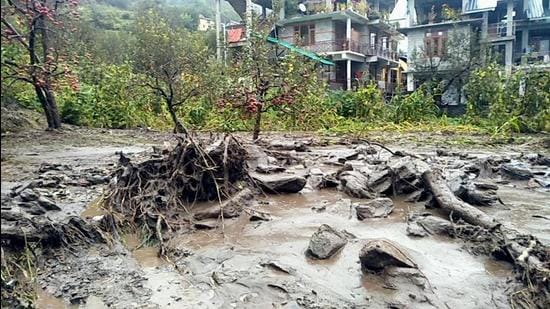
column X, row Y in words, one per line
column 95, row 208
column 286, row 238
column 146, row 256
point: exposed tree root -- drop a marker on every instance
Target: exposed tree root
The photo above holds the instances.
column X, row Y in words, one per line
column 157, row 194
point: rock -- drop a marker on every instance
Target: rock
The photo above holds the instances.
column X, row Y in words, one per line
column 485, row 186
column 280, row 183
column 288, row 145
column 28, row 195
column 342, row 207
column 97, row 179
column 516, row 171
column 269, row 169
column 378, row 254
column 260, row 216
column 424, row 224
column 207, row 224
column 232, row 207
column 47, row 204
column 354, row 183
column 36, row 210
column 325, row 242
column 377, row 208
column 469, row 194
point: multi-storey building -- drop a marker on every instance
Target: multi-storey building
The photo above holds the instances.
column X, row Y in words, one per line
column 354, row 35
column 518, row 31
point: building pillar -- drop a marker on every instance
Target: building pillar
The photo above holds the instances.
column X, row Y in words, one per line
column 348, row 33
column 410, row 81
column 328, row 5
column 218, row 30
column 248, row 18
column 348, row 75
column 282, row 10
column 411, row 12
column 509, row 33
column 525, row 41
column 484, row 36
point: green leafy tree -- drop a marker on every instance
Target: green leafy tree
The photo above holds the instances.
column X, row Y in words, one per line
column 174, row 61
column 262, row 81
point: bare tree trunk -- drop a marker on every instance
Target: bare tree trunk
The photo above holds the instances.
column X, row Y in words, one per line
column 446, row 199
column 178, row 126
column 257, row 124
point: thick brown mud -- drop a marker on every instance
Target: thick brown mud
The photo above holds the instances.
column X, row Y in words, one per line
column 263, row 264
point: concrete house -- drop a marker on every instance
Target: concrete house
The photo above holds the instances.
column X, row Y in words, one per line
column 353, row 34
column 518, row 31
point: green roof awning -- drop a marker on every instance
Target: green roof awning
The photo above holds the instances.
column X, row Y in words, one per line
column 300, row 51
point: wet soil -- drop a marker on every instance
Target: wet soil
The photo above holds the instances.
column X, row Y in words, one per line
column 262, row 264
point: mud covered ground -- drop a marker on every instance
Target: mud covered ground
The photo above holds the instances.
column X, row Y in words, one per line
column 263, row 263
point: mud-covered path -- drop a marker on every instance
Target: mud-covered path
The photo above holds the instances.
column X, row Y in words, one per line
column 262, row 264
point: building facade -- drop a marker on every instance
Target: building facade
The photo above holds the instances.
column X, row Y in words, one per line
column 354, row 34
column 516, row 31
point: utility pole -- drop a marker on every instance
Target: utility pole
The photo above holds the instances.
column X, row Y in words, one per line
column 218, row 30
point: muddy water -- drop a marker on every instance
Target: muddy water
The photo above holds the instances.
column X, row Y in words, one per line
column 285, row 239
column 520, row 204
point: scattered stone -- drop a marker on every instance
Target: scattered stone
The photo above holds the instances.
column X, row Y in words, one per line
column 354, row 183
column 325, row 242
column 280, row 183
column 47, row 204
column 341, row 156
column 269, row 169
column 232, row 207
column 425, row 224
column 377, row 208
column 516, row 171
column 260, row 216
column 28, row 195
column 97, row 179
column 207, row 224
column 288, row 145
column 377, row 254
column 485, row 186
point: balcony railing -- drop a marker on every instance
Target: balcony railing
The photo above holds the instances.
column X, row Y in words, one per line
column 353, row 46
column 499, row 31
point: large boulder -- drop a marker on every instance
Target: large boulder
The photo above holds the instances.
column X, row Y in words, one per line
column 325, row 242
column 377, row 208
column 378, row 254
column 280, row 183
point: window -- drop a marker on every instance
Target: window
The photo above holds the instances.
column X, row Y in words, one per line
column 435, row 44
column 305, row 34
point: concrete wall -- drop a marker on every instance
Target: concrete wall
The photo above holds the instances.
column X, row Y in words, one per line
column 324, row 31
column 416, row 45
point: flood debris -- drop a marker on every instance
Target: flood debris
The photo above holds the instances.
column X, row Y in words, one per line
column 326, row 242
column 156, row 193
column 378, row 254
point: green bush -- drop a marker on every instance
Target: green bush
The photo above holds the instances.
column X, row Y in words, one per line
column 418, row 106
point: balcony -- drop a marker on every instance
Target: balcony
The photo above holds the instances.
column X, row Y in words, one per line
column 344, row 45
column 499, row 32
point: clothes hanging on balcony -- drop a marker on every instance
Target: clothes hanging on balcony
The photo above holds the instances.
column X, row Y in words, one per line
column 234, row 35
column 535, row 9
column 479, row 5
